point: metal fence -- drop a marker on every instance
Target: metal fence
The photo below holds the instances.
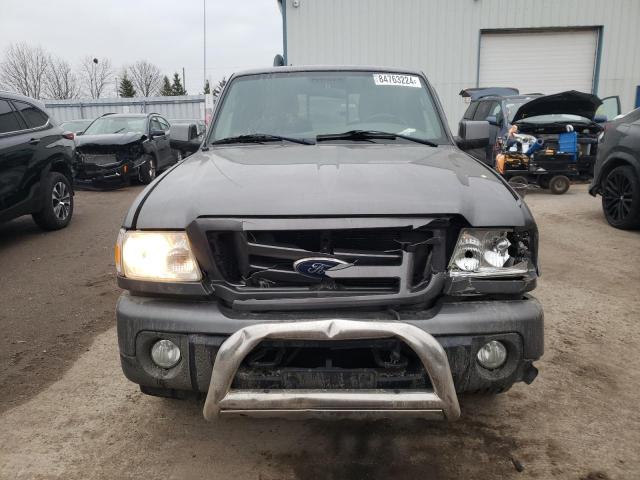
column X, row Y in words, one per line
column 172, row 108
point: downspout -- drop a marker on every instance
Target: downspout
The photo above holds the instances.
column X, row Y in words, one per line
column 596, row 68
column 283, row 9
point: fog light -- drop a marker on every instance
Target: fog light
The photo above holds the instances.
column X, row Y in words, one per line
column 492, row 355
column 165, row 353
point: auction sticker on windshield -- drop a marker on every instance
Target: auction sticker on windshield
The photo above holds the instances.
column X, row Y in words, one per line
column 397, row 80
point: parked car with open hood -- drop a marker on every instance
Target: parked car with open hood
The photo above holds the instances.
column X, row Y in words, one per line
column 617, row 171
column 543, row 117
column 36, row 164
column 329, row 250
column 117, row 147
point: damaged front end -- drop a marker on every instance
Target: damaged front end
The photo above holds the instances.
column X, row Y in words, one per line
column 104, row 163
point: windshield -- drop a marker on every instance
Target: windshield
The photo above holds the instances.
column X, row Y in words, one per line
column 109, row 124
column 75, row 126
column 304, row 105
column 512, row 105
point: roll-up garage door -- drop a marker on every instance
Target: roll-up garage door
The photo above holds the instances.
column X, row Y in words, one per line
column 543, row 61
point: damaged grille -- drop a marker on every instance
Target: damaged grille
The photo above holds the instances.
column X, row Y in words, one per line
column 327, row 365
column 385, row 263
column 100, row 158
column 102, row 155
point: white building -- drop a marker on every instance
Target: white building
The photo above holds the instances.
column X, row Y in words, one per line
column 542, row 46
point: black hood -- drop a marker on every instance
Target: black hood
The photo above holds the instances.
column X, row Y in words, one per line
column 327, row 180
column 109, row 139
column 571, row 102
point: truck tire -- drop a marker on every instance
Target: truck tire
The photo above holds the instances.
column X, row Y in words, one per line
column 621, row 198
column 559, row 184
column 519, row 179
column 57, row 210
column 148, row 170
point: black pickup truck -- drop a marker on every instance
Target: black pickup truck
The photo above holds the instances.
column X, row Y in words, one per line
column 329, row 250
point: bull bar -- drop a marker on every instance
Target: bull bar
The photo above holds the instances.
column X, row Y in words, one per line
column 440, row 402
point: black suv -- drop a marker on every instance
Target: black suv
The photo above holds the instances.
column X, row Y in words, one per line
column 118, row 147
column 617, row 171
column 36, row 156
column 329, row 250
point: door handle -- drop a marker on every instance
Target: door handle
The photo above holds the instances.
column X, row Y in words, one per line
column 34, row 141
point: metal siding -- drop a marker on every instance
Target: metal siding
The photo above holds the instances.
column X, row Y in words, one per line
column 441, row 37
column 178, row 107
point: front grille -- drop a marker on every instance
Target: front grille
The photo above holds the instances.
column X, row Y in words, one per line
column 99, row 159
column 265, row 259
column 389, row 263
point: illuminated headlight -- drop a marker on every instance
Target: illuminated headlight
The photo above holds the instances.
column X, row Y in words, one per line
column 485, row 253
column 156, row 256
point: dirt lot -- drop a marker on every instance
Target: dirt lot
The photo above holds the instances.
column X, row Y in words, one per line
column 67, row 412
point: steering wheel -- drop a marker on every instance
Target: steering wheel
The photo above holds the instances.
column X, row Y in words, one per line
column 388, row 116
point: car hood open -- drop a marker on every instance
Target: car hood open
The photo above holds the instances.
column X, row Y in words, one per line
column 109, row 139
column 570, row 102
column 327, row 180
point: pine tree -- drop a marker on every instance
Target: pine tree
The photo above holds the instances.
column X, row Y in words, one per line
column 125, row 89
column 207, row 87
column 177, row 87
column 216, row 91
column 166, row 90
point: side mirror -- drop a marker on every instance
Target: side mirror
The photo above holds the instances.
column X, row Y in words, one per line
column 473, row 134
column 600, row 119
column 157, row 133
column 493, row 120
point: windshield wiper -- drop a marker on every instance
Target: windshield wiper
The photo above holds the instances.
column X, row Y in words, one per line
column 371, row 135
column 259, row 138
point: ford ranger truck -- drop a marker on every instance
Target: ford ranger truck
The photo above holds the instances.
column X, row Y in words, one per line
column 328, row 250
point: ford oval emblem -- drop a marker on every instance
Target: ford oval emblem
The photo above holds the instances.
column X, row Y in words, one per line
column 316, row 267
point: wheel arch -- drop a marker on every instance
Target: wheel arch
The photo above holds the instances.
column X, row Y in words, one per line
column 617, row 159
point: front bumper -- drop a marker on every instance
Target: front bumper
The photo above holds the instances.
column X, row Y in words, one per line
column 214, row 341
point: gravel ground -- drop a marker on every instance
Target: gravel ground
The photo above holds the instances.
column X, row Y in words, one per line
column 68, row 412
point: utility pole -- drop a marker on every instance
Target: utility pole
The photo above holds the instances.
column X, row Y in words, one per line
column 184, row 83
column 204, row 19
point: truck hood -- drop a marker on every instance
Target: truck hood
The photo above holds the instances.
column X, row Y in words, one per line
column 327, row 180
column 109, row 139
column 571, row 102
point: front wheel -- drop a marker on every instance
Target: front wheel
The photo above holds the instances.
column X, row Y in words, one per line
column 559, row 184
column 58, row 205
column 621, row 198
column 147, row 171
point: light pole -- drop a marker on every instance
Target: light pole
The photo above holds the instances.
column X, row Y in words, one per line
column 204, row 29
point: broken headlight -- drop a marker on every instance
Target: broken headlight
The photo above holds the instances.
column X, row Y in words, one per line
column 156, row 256
column 482, row 252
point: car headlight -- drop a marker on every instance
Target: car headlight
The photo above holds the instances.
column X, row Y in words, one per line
column 489, row 253
column 156, row 256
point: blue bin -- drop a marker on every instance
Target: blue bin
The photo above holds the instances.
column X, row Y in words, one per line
column 568, row 143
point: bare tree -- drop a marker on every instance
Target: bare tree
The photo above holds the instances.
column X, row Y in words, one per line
column 95, row 75
column 61, row 82
column 146, row 78
column 23, row 69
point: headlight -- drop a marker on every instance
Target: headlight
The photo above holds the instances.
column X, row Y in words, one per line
column 486, row 253
column 156, row 256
